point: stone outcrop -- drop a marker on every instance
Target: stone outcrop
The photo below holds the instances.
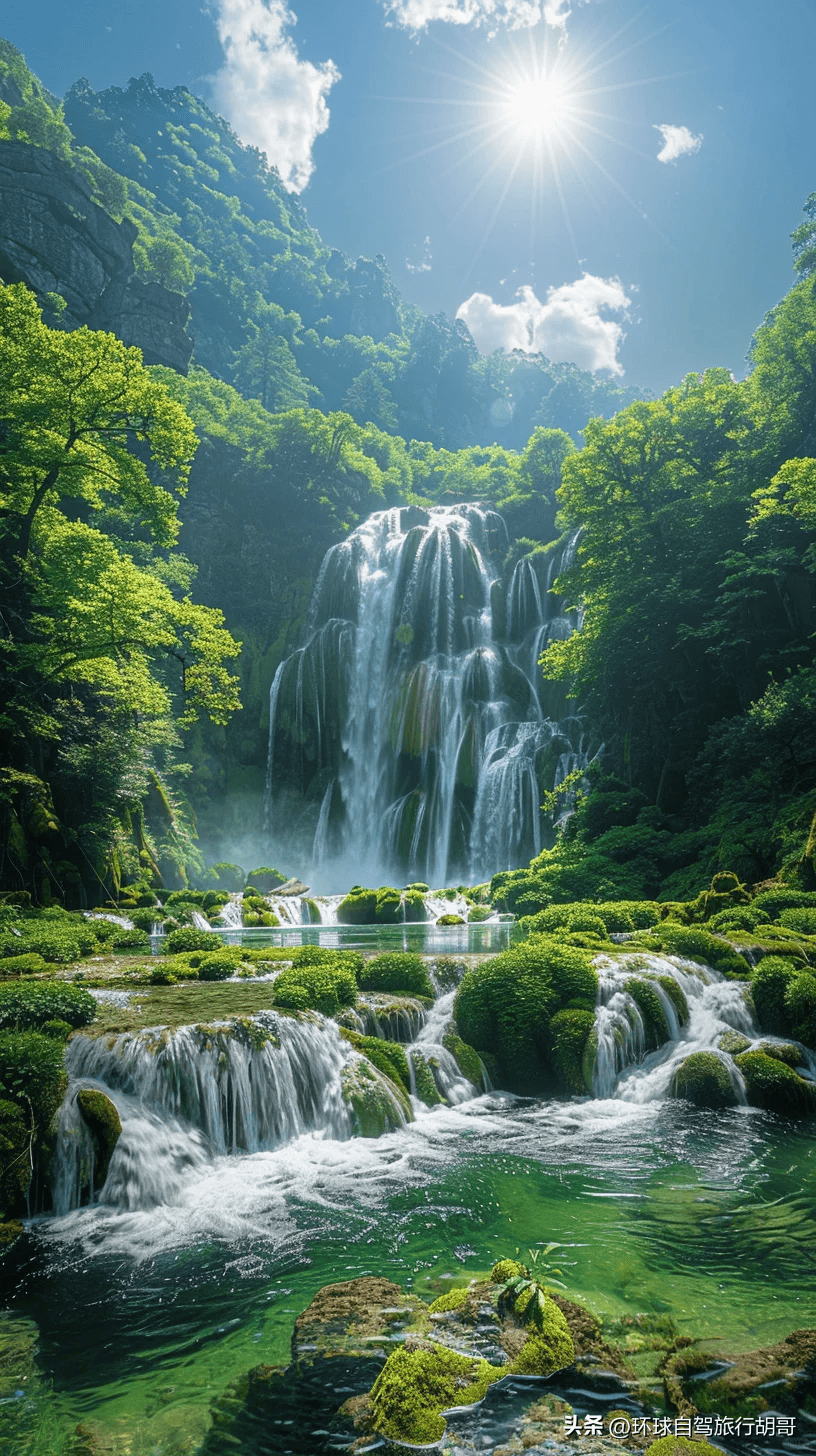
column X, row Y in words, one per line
column 56, row 239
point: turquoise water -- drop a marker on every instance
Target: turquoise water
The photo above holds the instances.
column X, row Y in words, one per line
column 146, row 1317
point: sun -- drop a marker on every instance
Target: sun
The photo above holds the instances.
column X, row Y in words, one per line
column 537, row 104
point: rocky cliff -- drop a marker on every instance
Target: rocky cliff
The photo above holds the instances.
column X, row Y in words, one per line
column 55, row 238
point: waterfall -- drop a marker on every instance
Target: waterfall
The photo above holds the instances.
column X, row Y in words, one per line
column 450, row 1083
column 412, row 723
column 715, row 1006
column 246, row 1085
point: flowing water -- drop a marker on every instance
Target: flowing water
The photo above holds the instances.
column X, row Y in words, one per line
column 237, row 1191
column 416, row 703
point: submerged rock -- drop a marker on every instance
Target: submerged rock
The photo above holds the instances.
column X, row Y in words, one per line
column 777, row 1377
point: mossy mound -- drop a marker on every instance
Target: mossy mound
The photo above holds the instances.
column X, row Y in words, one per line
column 371, row 907
column 388, row 1056
column 418, row 1382
column 396, row 971
column 426, row 1088
column 680, row 1446
column 105, row 1127
column 548, row 1348
column 266, row 879
column 703, row 1078
column 655, row 1025
column 693, row 943
column 467, row 1059
column 733, row 1042
column 570, row 1031
column 506, row 1005
column 325, row 987
column 784, row 995
column 27, row 1007
column 773, row 1085
column 378, row 1103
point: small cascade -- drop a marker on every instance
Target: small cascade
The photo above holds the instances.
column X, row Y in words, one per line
column 200, row 921
column 247, row 1085
column 450, row 1083
column 392, row 1020
column 123, row 920
column 290, row 909
column 450, row 902
column 231, row 914
column 72, row 1165
column 414, row 706
column 622, row 1070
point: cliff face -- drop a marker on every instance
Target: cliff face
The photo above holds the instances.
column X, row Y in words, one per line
column 55, row 239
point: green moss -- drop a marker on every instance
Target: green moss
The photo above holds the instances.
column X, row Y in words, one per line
column 548, row 1348
column 454, row 1299
column 800, row 1007
column 358, row 908
column 655, row 1025
column 467, row 1060
column 733, row 1042
column 31, row 964
column 773, row 1085
column 322, row 988
column 103, row 1120
column 378, row 1102
column 680, row 1446
column 703, row 1079
column 570, row 1032
column 26, row 1007
column 15, row 1164
column 418, row 1382
column 219, row 965
column 396, row 971
column 426, row 1088
column 59, row 1030
column 504, row 1007
column 187, row 937
column 677, row 996
column 506, row 1269
column 32, row 1073
column 695, row 944
column 769, row 987
column 388, row 1056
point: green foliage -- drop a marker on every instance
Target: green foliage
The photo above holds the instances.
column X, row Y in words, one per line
column 769, row 986
column 320, row 955
column 29, row 964
column 27, row 1007
column 570, row 1031
column 655, row 1025
column 32, row 1073
column 187, row 938
column 397, row 971
column 323, row 987
column 695, row 944
column 219, row 965
column 506, row 1006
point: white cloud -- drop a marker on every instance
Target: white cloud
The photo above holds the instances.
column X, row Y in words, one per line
column 569, row 328
column 677, row 141
column 274, row 100
column 424, row 259
column 515, row 14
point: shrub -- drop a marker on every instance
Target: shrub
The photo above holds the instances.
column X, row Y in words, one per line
column 396, row 971
column 26, row 1007
column 228, row 876
column 186, row 897
column 769, row 986
column 703, row 1078
column 775, row 901
column 695, row 944
column 738, row 917
column 802, row 920
column 58, row 943
column 800, row 1007
column 219, row 965
column 505, row 1006
column 320, row 955
column 325, row 988
column 655, row 1025
column 187, row 937
column 265, row 879
column 131, row 940
column 143, row 919
column 163, row 976
column 59, row 1030
column 32, row 1071
column 23, row 965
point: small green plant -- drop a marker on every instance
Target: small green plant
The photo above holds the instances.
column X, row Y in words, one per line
column 524, row 1295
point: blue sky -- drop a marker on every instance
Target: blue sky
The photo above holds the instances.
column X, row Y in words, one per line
column 504, row 155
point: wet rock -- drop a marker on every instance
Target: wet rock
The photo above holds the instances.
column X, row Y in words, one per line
column 704, row 1079
column 773, row 1085
column 105, row 1127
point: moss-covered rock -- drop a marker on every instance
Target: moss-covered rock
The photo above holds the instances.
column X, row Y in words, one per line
column 467, row 1059
column 703, row 1078
column 454, row 1299
column 388, row 1056
column 655, row 1025
column 378, row 1103
column 680, row 1446
column 426, row 1088
column 773, row 1085
column 323, row 987
column 570, row 1032
column 105, row 1126
column 549, row 1347
column 733, row 1042
column 32, row 1073
column 419, row 1381
column 676, row 995
column 505, row 1007
column 693, row 943
column 266, row 879
column 396, row 971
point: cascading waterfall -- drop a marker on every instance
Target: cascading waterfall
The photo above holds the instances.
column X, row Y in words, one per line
column 413, row 720
column 246, row 1085
column 716, row 1006
column 428, row 1044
